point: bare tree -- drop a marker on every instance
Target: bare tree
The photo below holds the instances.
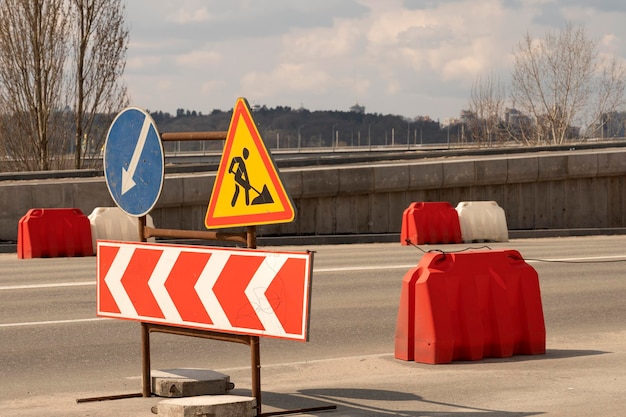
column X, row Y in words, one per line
column 61, row 63
column 486, row 109
column 32, row 55
column 99, row 43
column 609, row 99
column 563, row 82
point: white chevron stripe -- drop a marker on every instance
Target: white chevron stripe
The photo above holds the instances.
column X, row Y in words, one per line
column 157, row 280
column 255, row 291
column 204, row 288
column 113, row 280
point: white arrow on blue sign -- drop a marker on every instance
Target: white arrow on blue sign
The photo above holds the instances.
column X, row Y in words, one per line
column 133, row 161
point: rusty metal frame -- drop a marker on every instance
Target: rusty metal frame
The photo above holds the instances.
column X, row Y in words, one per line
column 252, row 341
column 249, row 239
column 184, row 136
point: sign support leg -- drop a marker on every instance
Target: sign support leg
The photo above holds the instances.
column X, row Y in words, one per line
column 145, row 360
column 145, row 331
column 255, row 348
column 256, row 371
column 251, row 237
column 141, row 225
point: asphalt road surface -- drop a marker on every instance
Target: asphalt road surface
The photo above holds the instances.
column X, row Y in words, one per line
column 54, row 350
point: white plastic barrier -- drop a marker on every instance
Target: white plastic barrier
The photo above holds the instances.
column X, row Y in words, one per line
column 111, row 223
column 482, row 221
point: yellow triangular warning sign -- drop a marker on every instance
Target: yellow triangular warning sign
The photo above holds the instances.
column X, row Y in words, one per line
column 248, row 190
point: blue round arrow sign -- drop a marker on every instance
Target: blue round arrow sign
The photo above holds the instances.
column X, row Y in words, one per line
column 133, row 161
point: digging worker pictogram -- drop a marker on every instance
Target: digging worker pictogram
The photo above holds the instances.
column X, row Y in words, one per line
column 238, row 169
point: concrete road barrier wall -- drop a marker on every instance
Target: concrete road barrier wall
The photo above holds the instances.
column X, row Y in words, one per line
column 559, row 190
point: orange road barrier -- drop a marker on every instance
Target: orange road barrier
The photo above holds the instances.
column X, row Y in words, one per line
column 469, row 306
column 53, row 232
column 430, row 222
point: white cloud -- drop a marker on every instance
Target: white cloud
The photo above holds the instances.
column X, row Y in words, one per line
column 143, row 62
column 198, row 59
column 400, row 57
column 315, row 44
column 185, row 15
column 209, row 87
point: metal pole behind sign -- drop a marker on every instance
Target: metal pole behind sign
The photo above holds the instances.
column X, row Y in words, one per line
column 146, row 382
column 255, row 347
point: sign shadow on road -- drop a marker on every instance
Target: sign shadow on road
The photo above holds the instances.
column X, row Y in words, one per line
column 356, row 402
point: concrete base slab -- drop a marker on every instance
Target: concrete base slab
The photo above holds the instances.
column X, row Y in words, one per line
column 208, row 406
column 176, row 383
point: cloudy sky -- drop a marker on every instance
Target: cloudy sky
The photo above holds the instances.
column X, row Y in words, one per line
column 404, row 57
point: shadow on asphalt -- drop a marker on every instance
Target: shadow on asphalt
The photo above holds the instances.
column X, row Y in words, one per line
column 571, row 353
column 359, row 403
column 367, row 402
column 549, row 355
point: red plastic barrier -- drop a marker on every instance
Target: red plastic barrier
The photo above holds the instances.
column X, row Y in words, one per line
column 405, row 325
column 51, row 232
column 468, row 306
column 432, row 222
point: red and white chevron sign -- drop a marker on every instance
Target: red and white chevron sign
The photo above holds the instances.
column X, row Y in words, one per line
column 242, row 291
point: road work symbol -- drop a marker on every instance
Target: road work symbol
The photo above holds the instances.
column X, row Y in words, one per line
column 238, row 169
column 247, row 189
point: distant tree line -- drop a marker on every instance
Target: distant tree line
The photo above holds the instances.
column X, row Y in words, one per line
column 288, row 128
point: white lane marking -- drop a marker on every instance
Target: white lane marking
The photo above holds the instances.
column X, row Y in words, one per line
column 318, row 270
column 529, row 261
column 299, row 363
column 579, row 259
column 87, row 283
column 49, row 285
column 362, row 268
column 52, row 322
